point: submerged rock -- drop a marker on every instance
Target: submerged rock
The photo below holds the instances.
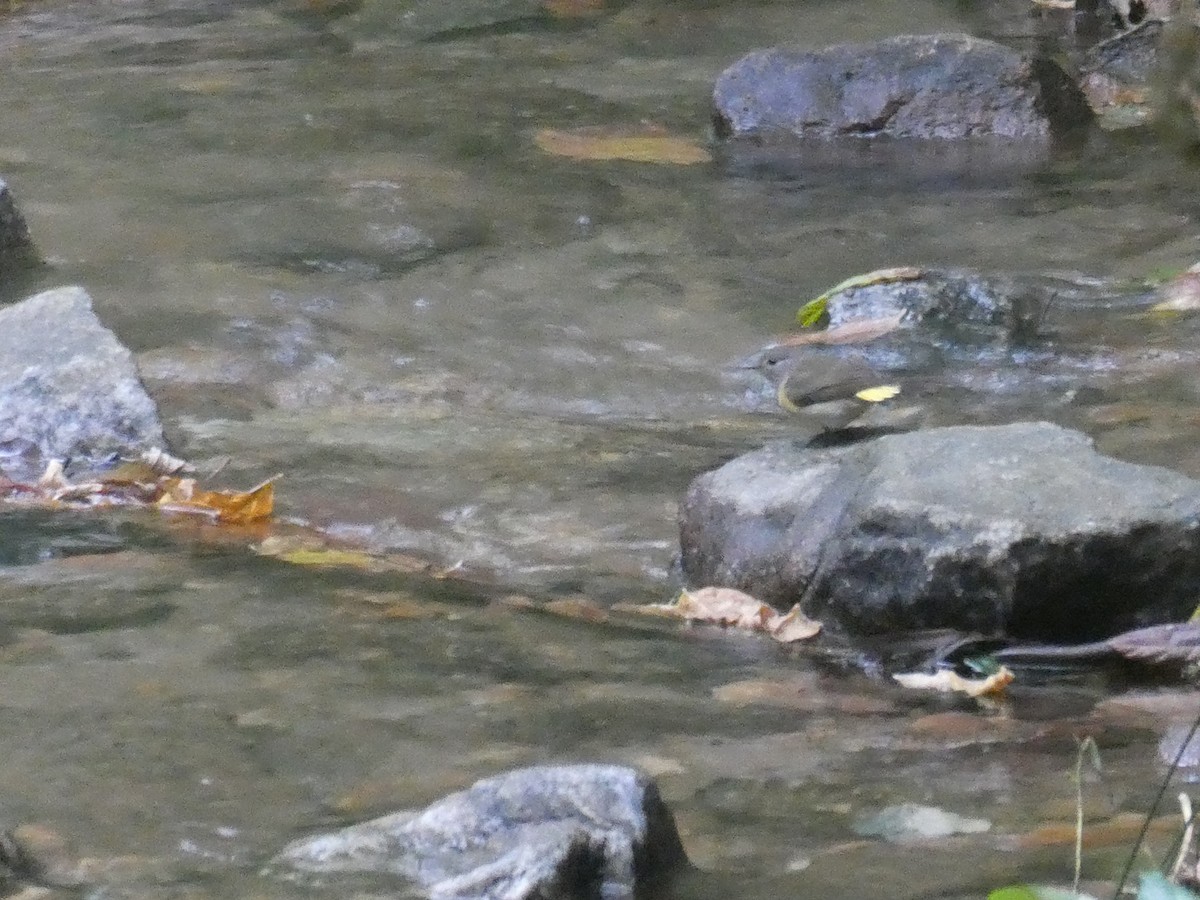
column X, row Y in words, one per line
column 16, row 249
column 1020, row 529
column 1116, row 74
column 68, row 388
column 948, row 87
column 582, row 831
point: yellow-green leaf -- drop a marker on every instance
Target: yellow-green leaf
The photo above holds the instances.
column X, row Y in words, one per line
column 646, row 145
column 879, row 393
column 814, row 311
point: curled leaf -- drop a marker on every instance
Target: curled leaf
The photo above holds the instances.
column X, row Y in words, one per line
column 736, row 609
column 948, row 681
column 229, row 507
column 815, row 311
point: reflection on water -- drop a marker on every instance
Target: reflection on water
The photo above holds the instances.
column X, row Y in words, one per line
column 339, row 255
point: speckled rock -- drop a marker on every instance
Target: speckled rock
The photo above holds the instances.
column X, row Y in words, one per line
column 1020, row 529
column 68, row 388
column 578, row 831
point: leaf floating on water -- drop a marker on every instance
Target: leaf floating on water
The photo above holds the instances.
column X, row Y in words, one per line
column 794, row 626
column 878, row 394
column 815, row 311
column 947, row 681
column 229, row 507
column 736, row 609
column 572, row 9
column 577, row 608
column 315, row 550
column 1036, row 892
column 647, row 145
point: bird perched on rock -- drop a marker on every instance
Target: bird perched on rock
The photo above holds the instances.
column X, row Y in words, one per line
column 832, row 390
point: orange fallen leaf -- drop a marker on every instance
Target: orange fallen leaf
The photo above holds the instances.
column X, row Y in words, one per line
column 229, row 507
column 1120, row 830
column 948, row 681
column 577, row 608
column 734, row 608
column 648, row 145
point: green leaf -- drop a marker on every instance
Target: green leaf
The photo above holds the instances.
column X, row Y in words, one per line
column 1155, row 886
column 1035, row 892
column 813, row 312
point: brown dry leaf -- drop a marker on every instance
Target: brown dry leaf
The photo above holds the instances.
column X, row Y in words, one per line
column 648, row 145
column 1121, row 829
column 947, row 681
column 572, row 9
column 577, row 608
column 794, row 626
column 309, row 549
column 229, row 507
column 731, row 607
column 858, row 331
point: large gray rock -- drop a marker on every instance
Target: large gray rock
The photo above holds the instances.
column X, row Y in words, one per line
column 1020, row 529
column 68, row 388
column 948, row 86
column 16, row 249
column 582, row 831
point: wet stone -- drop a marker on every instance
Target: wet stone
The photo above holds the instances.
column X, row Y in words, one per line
column 68, row 388
column 945, row 87
column 1021, row 529
column 583, row 830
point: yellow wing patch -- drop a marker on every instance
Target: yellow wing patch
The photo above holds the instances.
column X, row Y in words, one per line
column 878, row 394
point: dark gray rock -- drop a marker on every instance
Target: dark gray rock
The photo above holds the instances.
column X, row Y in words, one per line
column 960, row 300
column 1019, row 529
column 68, row 389
column 948, row 87
column 1116, row 74
column 581, row 831
column 16, row 249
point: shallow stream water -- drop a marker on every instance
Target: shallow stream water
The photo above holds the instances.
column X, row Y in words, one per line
column 339, row 255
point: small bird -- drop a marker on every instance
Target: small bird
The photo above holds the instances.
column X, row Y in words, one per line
column 831, row 390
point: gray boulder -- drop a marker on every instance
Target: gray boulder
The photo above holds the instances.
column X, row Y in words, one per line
column 582, row 831
column 1021, row 530
column 16, row 249
column 68, row 388
column 947, row 86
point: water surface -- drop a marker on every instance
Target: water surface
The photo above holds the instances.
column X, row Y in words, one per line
column 339, row 255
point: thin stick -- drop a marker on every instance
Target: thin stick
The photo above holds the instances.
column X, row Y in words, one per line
column 1162, row 789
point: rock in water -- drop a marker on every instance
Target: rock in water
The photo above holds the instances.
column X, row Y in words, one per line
column 581, row 831
column 16, row 249
column 939, row 86
column 68, row 388
column 1020, row 529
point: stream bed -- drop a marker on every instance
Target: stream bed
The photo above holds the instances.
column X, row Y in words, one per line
column 329, row 236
